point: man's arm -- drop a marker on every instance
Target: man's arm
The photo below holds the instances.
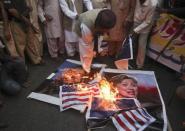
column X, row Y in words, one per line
column 66, row 10
column 146, row 22
column 87, row 35
column 88, row 4
column 41, row 13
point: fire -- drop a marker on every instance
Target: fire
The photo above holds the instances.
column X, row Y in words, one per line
column 82, row 87
column 107, row 91
column 108, row 94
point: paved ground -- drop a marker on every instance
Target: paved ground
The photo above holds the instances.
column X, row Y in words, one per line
column 22, row 114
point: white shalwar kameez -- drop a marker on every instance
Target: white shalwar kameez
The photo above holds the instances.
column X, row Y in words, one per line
column 71, row 38
column 86, row 47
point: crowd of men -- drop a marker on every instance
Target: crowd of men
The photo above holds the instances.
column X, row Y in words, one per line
column 22, row 22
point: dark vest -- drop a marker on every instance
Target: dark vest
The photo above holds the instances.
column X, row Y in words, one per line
column 79, row 8
column 88, row 18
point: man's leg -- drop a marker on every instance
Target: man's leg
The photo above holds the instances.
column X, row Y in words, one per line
column 33, row 47
column 61, row 45
column 70, row 48
column 19, row 38
column 52, row 47
column 142, row 42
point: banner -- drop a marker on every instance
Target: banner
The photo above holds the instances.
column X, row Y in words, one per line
column 167, row 44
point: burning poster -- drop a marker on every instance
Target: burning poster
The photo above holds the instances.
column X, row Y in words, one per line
column 132, row 101
column 68, row 75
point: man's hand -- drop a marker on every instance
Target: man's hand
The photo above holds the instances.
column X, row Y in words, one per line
column 48, row 18
column 13, row 12
column 76, row 18
column 104, row 52
column 44, row 22
column 133, row 34
column 27, row 11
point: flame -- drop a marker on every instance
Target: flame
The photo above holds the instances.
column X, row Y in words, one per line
column 107, row 91
column 82, row 87
column 98, row 77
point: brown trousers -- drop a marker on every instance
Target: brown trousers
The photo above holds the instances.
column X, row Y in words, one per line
column 21, row 42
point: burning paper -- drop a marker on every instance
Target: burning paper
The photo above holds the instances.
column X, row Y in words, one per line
column 107, row 91
column 131, row 95
column 51, row 86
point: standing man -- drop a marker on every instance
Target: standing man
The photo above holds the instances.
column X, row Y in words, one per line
column 124, row 10
column 34, row 20
column 18, row 31
column 51, row 17
column 143, row 21
column 72, row 9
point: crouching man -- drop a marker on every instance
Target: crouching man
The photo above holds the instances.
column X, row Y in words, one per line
column 87, row 26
